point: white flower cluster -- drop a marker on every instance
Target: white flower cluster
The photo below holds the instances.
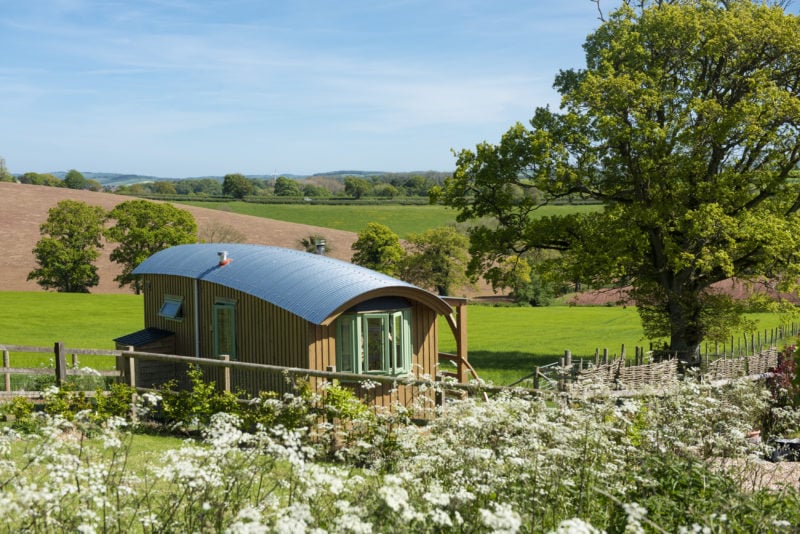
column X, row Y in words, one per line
column 510, row 464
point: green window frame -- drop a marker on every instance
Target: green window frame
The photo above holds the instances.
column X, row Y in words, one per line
column 172, row 308
column 225, row 328
column 374, row 343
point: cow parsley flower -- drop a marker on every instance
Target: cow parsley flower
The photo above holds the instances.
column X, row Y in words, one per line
column 502, row 520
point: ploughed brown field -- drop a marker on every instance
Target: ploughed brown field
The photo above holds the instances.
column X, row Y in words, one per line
column 23, row 208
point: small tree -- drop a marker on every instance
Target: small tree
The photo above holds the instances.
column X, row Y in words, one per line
column 142, row 229
column 69, row 247
column 74, row 180
column 357, row 187
column 378, row 248
column 438, row 259
column 236, row 185
column 5, row 176
column 286, row 187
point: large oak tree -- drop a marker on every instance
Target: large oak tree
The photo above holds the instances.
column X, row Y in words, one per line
column 685, row 124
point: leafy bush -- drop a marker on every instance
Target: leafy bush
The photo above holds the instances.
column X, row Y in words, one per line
column 65, row 401
column 191, row 409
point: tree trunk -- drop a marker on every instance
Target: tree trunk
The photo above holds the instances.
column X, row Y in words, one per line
column 686, row 333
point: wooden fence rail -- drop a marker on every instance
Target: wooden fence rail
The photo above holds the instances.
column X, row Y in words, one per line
column 126, row 369
column 565, row 376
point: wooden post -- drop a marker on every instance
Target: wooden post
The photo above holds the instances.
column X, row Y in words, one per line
column 536, row 377
column 605, row 356
column 7, row 364
column 226, row 381
column 129, row 368
column 461, row 342
column 61, row 363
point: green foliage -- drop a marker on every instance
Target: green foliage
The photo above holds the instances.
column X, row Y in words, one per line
column 286, row 187
column 5, row 176
column 75, row 180
column 65, row 401
column 34, row 178
column 190, row 409
column 437, row 259
column 684, row 124
column 71, row 238
column 21, row 412
column 357, row 187
column 116, row 402
column 237, row 186
column 379, row 249
column 316, row 191
column 143, row 228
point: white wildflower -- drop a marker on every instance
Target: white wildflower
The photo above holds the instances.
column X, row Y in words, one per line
column 575, row 526
column 503, row 519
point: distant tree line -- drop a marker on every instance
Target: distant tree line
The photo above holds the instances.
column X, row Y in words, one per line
column 239, row 186
column 72, row 180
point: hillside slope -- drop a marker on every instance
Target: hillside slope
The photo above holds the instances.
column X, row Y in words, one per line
column 23, row 208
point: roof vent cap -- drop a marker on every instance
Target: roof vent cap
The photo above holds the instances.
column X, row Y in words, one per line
column 223, row 258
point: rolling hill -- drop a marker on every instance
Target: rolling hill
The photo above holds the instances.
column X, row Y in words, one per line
column 23, row 208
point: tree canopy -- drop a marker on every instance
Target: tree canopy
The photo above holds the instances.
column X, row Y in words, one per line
column 143, row 228
column 75, row 180
column 437, row 259
column 71, row 238
column 236, row 185
column 286, row 187
column 379, row 249
column 685, row 124
column 5, row 175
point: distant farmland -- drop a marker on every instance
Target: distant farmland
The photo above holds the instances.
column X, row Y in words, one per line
column 402, row 220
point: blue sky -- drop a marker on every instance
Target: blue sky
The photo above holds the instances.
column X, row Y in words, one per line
column 180, row 88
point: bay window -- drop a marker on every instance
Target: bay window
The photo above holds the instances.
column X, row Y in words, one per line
column 374, row 342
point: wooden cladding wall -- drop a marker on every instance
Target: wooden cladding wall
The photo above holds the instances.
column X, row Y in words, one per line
column 265, row 334
column 155, row 287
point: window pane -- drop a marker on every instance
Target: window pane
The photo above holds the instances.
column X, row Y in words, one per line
column 399, row 343
column 172, row 308
column 375, row 342
column 225, row 329
column 346, row 345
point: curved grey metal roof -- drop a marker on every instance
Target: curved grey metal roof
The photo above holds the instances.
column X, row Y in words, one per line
column 311, row 286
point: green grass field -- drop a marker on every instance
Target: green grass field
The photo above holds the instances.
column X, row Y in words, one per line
column 84, row 321
column 402, row 220
column 504, row 343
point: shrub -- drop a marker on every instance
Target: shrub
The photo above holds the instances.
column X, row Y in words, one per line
column 188, row 410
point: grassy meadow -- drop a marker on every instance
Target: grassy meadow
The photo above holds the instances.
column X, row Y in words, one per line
column 504, row 343
column 402, row 220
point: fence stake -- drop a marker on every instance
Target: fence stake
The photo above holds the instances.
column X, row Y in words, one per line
column 536, row 377
column 226, row 373
column 61, row 363
column 129, row 368
column 7, row 364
